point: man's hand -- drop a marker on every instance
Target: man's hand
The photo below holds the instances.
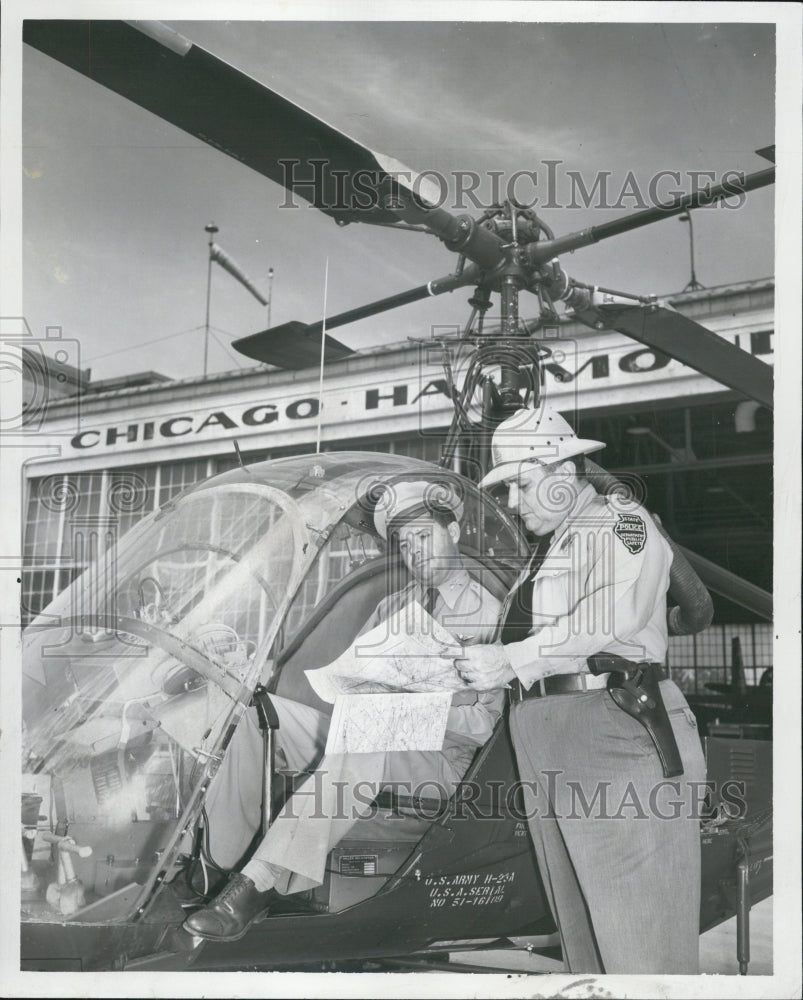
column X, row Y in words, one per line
column 484, row 667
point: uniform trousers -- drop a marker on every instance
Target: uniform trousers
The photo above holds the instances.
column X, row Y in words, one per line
column 323, row 809
column 617, row 844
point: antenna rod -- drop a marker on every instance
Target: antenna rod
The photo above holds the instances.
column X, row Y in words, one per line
column 323, row 352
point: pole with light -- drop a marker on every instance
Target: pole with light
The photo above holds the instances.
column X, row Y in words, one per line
column 270, row 292
column 217, row 253
column 210, row 228
column 693, row 284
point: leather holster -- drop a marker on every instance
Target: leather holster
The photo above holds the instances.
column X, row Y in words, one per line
column 635, row 689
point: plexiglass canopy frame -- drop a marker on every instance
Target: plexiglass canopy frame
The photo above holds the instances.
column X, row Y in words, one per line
column 136, row 676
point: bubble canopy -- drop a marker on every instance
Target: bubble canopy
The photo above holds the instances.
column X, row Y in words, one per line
column 135, row 676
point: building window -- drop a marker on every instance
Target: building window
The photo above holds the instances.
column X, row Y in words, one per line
column 761, row 342
column 178, row 476
column 225, row 463
column 70, row 514
column 39, row 587
column 131, row 494
column 428, row 448
column 43, row 521
column 707, row 658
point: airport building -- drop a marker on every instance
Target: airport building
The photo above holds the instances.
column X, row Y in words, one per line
column 107, row 453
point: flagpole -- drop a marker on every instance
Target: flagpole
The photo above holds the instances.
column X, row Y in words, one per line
column 211, row 228
column 270, row 292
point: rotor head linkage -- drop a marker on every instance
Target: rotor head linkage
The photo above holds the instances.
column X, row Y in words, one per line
column 509, row 374
column 460, row 233
column 515, row 274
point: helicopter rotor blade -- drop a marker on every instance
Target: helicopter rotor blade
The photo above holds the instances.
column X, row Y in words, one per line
column 544, row 250
column 167, row 74
column 298, row 345
column 162, row 71
column 664, row 329
column 291, row 346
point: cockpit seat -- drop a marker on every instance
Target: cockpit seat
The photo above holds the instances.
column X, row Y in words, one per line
column 329, row 631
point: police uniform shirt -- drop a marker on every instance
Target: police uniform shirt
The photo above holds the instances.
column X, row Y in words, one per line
column 601, row 588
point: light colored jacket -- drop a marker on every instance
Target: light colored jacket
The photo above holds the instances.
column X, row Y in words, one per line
column 601, row 589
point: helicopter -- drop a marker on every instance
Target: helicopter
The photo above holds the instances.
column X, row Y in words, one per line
column 128, row 710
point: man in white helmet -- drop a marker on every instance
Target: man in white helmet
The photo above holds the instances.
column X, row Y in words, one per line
column 607, row 748
column 423, row 519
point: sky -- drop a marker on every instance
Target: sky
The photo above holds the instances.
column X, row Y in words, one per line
column 115, row 200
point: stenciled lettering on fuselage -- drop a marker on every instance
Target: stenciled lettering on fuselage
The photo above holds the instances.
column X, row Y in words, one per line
column 470, row 889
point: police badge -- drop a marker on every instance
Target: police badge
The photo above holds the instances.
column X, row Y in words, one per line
column 632, row 531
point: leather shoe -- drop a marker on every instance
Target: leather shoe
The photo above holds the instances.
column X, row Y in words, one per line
column 231, row 913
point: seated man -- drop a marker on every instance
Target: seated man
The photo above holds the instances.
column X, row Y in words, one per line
column 424, row 519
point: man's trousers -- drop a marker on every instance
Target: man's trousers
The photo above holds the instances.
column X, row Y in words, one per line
column 618, row 845
column 324, row 807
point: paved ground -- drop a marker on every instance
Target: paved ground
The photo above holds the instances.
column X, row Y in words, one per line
column 717, row 950
column 718, row 946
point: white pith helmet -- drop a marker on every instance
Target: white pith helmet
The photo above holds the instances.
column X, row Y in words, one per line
column 405, row 501
column 533, row 437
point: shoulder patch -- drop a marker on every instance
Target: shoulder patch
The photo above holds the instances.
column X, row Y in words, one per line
column 631, row 530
